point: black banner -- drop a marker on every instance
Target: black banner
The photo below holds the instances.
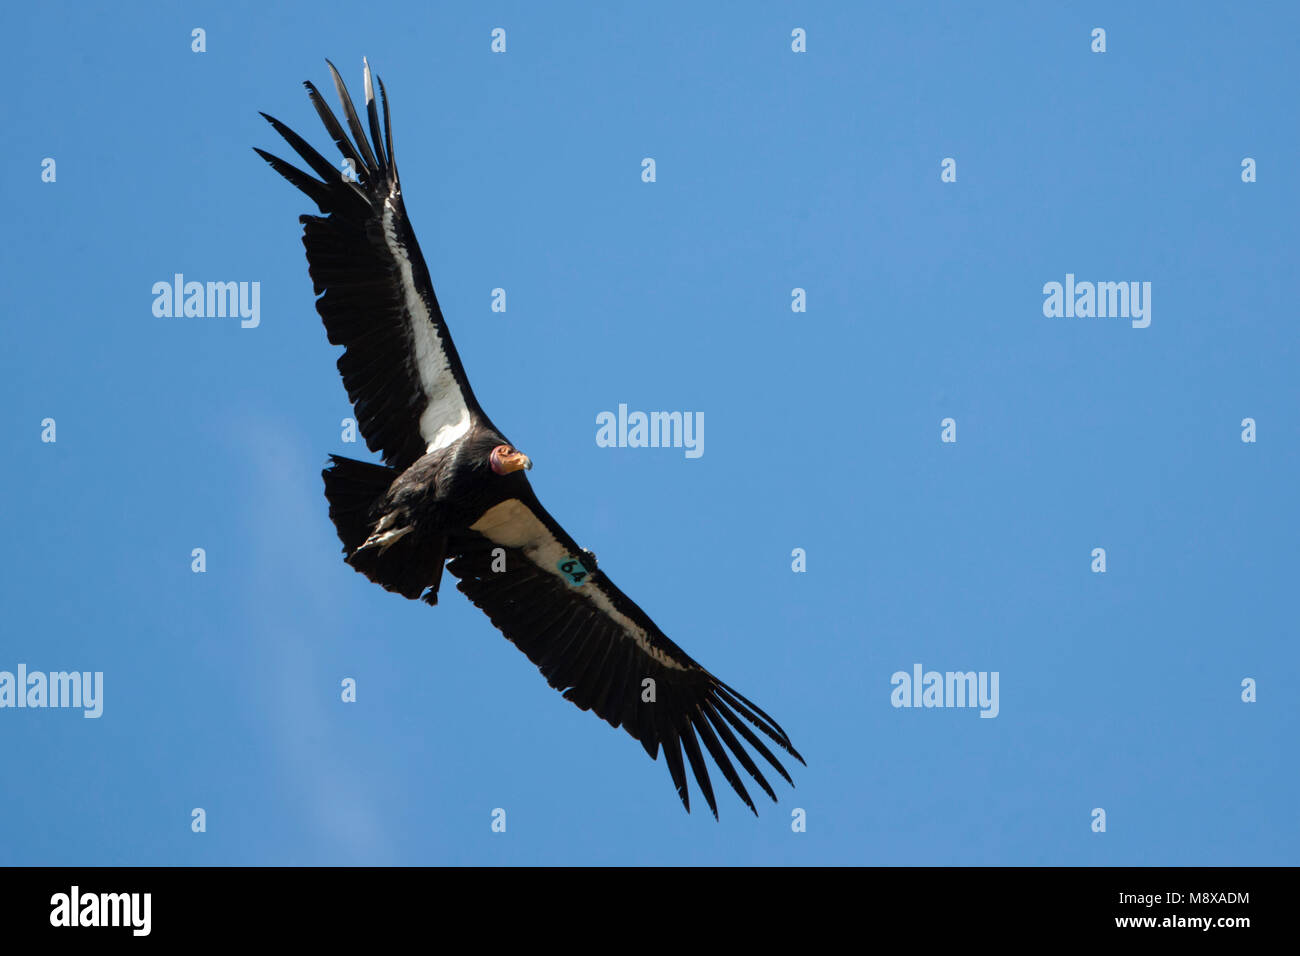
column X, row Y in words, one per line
column 1168, row 905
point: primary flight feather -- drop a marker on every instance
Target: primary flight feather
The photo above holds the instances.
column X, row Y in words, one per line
column 452, row 489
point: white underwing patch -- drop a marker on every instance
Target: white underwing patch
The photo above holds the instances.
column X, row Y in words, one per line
column 513, row 525
column 446, row 417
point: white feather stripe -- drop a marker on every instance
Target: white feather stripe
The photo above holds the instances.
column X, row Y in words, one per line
column 512, row 525
column 446, row 417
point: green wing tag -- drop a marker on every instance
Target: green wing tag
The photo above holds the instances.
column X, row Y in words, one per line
column 573, row 571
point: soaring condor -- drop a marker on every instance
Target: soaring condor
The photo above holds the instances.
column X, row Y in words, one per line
column 452, row 487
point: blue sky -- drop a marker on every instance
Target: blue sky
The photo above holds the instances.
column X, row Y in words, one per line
column 775, row 170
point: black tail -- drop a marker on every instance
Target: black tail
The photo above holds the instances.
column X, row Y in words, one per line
column 408, row 562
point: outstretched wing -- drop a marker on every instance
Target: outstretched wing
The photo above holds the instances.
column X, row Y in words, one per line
column 594, row 644
column 399, row 365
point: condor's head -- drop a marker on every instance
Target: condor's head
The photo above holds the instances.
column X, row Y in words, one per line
column 505, row 458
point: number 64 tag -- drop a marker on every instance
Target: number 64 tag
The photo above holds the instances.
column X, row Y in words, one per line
column 573, row 571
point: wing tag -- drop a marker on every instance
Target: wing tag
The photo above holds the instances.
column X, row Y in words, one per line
column 573, row 571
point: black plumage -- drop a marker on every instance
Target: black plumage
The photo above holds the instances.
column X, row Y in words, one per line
column 452, row 489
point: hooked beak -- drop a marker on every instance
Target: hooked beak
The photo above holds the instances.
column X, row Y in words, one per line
column 504, row 464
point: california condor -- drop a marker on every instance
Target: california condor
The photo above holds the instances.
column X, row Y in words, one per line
column 452, row 488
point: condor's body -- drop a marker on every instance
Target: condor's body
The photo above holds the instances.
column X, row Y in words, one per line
column 452, row 490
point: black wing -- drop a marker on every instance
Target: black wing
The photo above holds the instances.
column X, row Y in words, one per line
column 399, row 365
column 594, row 644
